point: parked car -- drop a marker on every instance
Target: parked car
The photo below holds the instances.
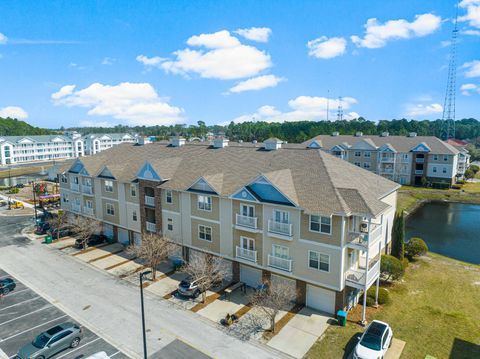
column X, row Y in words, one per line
column 374, row 342
column 7, row 285
column 189, row 288
column 94, row 240
column 63, row 232
column 42, row 228
column 99, row 355
column 52, row 341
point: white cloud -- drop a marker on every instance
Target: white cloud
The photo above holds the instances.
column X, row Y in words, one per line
column 471, row 32
column 222, row 57
column 303, row 108
column 136, row 103
column 468, row 89
column 108, row 61
column 257, row 83
column 378, row 34
column 415, row 110
column 154, row 61
column 472, row 68
column 259, row 34
column 13, row 112
column 3, row 39
column 327, row 48
column 473, row 12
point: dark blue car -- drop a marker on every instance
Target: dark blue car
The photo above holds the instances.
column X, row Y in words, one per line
column 7, row 285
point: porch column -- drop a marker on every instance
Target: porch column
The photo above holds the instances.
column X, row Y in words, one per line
column 378, row 278
column 376, row 291
column 364, row 309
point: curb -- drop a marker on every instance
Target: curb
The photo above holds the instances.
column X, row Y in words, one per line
column 3, row 355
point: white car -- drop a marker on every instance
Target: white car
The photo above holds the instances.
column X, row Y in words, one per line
column 374, row 342
column 99, row 355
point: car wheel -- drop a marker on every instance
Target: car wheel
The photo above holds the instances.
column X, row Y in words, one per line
column 5, row 291
column 40, row 357
column 75, row 343
column 196, row 293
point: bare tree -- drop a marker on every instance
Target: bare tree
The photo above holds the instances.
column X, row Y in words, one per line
column 60, row 222
column 207, row 269
column 274, row 297
column 84, row 227
column 153, row 249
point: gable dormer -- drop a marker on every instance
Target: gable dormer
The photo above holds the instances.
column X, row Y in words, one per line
column 265, row 191
column 364, row 144
column 25, row 140
column 203, row 186
column 387, row 148
column 243, row 194
column 106, row 173
column 316, row 144
column 421, row 147
column 76, row 167
column 147, row 172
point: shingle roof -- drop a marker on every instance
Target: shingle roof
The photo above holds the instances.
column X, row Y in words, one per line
column 36, row 138
column 313, row 179
column 116, row 136
column 399, row 143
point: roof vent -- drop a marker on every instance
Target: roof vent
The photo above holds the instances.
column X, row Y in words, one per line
column 385, row 134
column 254, row 142
column 272, row 144
column 335, row 134
column 412, row 134
column 359, row 134
column 177, row 141
column 220, row 142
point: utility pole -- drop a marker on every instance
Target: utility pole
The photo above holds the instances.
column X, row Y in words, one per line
column 34, row 201
column 143, row 314
column 340, row 109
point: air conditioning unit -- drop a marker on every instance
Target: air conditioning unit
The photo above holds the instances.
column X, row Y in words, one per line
column 364, row 227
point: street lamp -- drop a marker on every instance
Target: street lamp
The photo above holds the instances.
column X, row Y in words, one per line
column 143, row 313
column 34, row 202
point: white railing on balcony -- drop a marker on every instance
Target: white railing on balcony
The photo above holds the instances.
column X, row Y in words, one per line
column 284, row 229
column 150, row 201
column 76, row 208
column 358, row 276
column 88, row 211
column 367, row 238
column 248, row 254
column 280, row 263
column 87, row 189
column 386, row 170
column 419, row 160
column 151, row 227
column 387, row 159
column 75, row 187
column 418, row 172
column 246, row 221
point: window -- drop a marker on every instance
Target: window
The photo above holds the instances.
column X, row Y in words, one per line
column 170, row 224
column 88, row 182
column 367, row 154
column 435, row 157
column 445, row 158
column 204, row 203
column 63, row 179
column 366, row 165
column 134, row 216
column 205, row 233
column 405, row 156
column 108, row 186
column 444, row 170
column 133, row 190
column 169, row 196
column 65, row 198
column 88, row 203
column 318, row 261
column 280, row 251
column 357, row 153
column 247, row 243
column 247, row 210
column 281, row 216
column 358, row 164
column 60, row 336
column 75, row 180
column 320, row 224
column 434, row 169
column 110, row 209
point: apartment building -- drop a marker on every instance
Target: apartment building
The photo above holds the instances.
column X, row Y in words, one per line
column 403, row 159
column 95, row 143
column 272, row 211
column 20, row 149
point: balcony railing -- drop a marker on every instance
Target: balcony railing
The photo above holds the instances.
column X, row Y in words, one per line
column 419, row 160
column 285, row 229
column 75, row 187
column 76, row 208
column 418, row 172
column 246, row 221
column 280, row 263
column 87, row 189
column 386, row 170
column 387, row 159
column 248, row 254
column 88, row 211
column 151, row 227
column 367, row 238
column 359, row 277
column 150, row 201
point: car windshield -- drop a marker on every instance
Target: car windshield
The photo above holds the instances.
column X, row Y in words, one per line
column 185, row 283
column 371, row 341
column 41, row 341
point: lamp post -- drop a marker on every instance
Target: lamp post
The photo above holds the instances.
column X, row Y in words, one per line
column 34, row 202
column 143, row 313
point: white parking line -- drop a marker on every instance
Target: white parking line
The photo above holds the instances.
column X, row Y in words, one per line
column 35, row 327
column 17, row 291
column 25, row 315
column 81, row 346
column 25, row 301
column 111, row 356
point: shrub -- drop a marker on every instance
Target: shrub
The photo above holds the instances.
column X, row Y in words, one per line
column 416, row 247
column 461, row 182
column 370, row 301
column 456, row 186
column 405, row 263
column 474, row 168
column 398, row 235
column 13, row 190
column 391, row 268
column 383, row 295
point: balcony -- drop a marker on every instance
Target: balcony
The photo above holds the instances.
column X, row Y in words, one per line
column 151, row 227
column 280, row 263
column 361, row 241
column 87, row 189
column 420, row 160
column 150, row 201
column 247, row 254
column 359, row 278
column 388, row 170
column 419, row 172
column 280, row 229
column 88, row 211
column 75, row 187
column 387, row 159
column 76, row 208
column 246, row 222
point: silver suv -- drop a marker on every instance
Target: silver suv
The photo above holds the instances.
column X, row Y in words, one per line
column 52, row 341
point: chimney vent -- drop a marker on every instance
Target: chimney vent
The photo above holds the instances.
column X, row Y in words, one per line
column 359, row 134
column 272, row 144
column 412, row 134
column 385, row 134
column 177, row 141
column 335, row 134
column 220, row 142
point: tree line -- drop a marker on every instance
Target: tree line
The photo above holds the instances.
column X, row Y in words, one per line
column 13, row 127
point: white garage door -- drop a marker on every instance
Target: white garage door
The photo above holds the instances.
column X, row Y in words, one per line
column 250, row 276
column 279, row 280
column 320, row 299
column 123, row 236
column 108, row 230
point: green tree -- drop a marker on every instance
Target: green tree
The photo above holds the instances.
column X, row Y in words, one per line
column 398, row 236
column 391, row 268
column 469, row 174
column 415, row 247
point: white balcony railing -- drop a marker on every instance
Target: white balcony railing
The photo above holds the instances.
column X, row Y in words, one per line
column 419, row 160
column 76, row 208
column 280, row 263
column 386, row 170
column 246, row 221
column 150, row 201
column 151, row 227
column 284, row 229
column 387, row 159
column 248, row 254
column 367, row 238
column 87, row 189
column 75, row 187
column 88, row 211
column 359, row 277
column 418, row 172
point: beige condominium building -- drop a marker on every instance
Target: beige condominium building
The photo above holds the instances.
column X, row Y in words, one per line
column 403, row 159
column 272, row 211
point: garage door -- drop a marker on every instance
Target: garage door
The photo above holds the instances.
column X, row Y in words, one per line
column 250, row 276
column 279, row 280
column 320, row 299
column 137, row 238
column 123, row 236
column 108, row 230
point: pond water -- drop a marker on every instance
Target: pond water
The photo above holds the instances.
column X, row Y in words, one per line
column 13, row 181
column 450, row 229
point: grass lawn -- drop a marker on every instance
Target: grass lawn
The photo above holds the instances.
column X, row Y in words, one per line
column 434, row 309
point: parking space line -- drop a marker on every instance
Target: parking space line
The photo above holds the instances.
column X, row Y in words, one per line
column 25, row 315
column 17, row 291
column 35, row 327
column 81, row 346
column 25, row 301
column 111, row 356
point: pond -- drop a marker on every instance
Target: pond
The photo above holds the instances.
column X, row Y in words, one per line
column 450, row 229
column 13, row 181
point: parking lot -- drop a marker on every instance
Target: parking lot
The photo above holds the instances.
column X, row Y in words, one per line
column 24, row 314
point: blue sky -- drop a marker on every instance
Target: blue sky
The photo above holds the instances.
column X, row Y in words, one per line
column 77, row 63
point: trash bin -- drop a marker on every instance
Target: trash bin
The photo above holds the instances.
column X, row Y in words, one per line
column 177, row 263
column 48, row 239
column 342, row 318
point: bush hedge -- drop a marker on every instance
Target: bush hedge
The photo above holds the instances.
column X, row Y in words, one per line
column 391, row 268
column 383, row 295
column 416, row 247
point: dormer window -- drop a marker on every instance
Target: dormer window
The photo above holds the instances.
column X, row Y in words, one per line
column 108, row 186
column 204, row 203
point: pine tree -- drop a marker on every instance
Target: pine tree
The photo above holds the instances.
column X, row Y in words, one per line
column 398, row 236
